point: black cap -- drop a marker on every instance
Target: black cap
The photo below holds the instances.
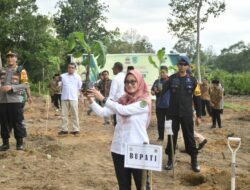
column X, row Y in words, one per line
column 163, row 67
column 185, row 59
column 215, row 81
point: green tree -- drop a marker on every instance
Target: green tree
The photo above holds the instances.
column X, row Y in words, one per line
column 78, row 45
column 30, row 35
column 81, row 15
column 235, row 48
column 186, row 44
column 128, row 42
column 186, row 18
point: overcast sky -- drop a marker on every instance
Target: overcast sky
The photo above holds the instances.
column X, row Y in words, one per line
column 149, row 17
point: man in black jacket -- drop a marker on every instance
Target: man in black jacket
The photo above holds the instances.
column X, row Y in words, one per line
column 182, row 87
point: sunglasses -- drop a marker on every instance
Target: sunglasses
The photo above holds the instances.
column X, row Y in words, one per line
column 132, row 82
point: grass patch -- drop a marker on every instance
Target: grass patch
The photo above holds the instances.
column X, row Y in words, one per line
column 235, row 107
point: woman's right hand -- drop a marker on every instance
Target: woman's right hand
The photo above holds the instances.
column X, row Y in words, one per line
column 90, row 96
column 97, row 94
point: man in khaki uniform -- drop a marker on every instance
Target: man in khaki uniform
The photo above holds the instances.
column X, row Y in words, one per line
column 104, row 87
column 205, row 98
column 216, row 96
column 14, row 81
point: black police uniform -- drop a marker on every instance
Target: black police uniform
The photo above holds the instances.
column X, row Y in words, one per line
column 181, row 113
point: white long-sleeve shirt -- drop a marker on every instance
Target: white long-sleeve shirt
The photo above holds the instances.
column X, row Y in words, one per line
column 131, row 127
column 117, row 87
column 71, row 85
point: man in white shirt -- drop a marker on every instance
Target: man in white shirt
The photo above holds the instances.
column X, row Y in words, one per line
column 117, row 85
column 71, row 86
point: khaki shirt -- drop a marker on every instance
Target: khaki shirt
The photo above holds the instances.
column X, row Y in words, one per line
column 104, row 87
column 18, row 82
column 205, row 94
column 216, row 96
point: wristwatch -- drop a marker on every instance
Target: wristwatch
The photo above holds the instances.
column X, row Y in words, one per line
column 104, row 100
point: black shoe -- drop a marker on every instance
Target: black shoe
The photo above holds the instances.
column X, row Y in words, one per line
column 4, row 147
column 88, row 112
column 213, row 126
column 19, row 147
column 202, row 144
column 63, row 133
column 169, row 165
column 75, row 132
column 220, row 126
column 19, row 144
column 194, row 164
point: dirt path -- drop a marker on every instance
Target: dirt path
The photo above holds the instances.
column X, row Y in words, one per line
column 84, row 162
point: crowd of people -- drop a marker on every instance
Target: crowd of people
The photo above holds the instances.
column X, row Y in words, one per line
column 124, row 101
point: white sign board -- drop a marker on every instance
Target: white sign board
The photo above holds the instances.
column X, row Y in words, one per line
column 145, row 156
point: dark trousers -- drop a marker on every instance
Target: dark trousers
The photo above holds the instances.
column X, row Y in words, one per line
column 124, row 175
column 162, row 115
column 52, row 99
column 187, row 126
column 57, row 100
column 216, row 117
column 206, row 104
column 114, row 120
column 11, row 116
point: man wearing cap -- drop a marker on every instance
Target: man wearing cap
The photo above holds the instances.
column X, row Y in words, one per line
column 182, row 87
column 216, row 96
column 162, row 101
column 14, row 82
column 117, row 84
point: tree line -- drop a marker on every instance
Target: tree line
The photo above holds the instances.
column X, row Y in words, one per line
column 41, row 41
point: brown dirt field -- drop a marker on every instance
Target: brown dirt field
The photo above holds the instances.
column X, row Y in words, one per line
column 84, row 162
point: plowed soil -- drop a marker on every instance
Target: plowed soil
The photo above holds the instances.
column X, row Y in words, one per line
column 84, row 162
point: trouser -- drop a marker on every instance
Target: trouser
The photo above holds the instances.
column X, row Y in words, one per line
column 57, row 100
column 205, row 104
column 114, row 120
column 52, row 98
column 187, row 126
column 162, row 115
column 216, row 116
column 123, row 174
column 70, row 107
column 11, row 116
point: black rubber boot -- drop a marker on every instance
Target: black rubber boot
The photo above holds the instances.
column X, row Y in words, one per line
column 19, row 144
column 194, row 164
column 202, row 144
column 5, row 146
column 169, row 165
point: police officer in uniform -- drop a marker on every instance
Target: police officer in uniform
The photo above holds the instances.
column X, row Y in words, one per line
column 13, row 80
column 182, row 87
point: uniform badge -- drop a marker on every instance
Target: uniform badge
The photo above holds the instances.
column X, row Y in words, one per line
column 143, row 104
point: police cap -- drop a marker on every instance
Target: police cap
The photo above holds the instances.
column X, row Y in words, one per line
column 184, row 58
